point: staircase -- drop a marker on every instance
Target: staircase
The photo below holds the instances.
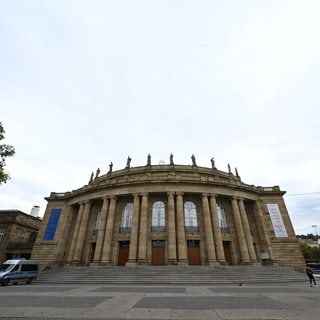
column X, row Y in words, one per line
column 170, row 275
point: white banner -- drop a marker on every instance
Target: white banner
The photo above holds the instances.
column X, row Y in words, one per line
column 277, row 222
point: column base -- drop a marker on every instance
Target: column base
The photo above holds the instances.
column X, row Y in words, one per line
column 131, row 263
column 183, row 262
column 172, row 262
column 142, row 262
column 213, row 263
column 105, row 263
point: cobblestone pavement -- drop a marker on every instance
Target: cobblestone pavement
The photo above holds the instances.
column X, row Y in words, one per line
column 296, row 301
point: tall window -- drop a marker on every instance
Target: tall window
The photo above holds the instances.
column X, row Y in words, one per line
column 96, row 227
column 190, row 216
column 126, row 220
column 2, row 230
column 222, row 218
column 158, row 216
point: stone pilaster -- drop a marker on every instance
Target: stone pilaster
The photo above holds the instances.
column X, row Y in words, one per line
column 82, row 233
column 241, row 237
column 142, row 254
column 133, row 249
column 172, row 247
column 211, row 254
column 101, row 231
column 108, row 233
column 182, row 245
column 75, row 234
column 217, row 230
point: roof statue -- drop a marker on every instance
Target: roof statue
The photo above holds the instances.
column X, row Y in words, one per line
column 213, row 163
column 110, row 167
column 128, row 163
column 171, row 159
column 97, row 173
column 91, row 177
column 149, row 160
column 193, row 158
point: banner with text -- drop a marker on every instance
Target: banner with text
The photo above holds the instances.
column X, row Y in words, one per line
column 277, row 222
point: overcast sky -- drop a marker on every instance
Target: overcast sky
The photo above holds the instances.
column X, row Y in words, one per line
column 84, row 83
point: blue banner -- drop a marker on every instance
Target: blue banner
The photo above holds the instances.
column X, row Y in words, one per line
column 52, row 224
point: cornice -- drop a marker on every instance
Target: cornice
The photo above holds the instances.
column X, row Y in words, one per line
column 165, row 175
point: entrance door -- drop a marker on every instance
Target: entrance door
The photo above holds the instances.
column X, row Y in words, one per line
column 158, row 253
column 227, row 252
column 92, row 251
column 194, row 252
column 123, row 252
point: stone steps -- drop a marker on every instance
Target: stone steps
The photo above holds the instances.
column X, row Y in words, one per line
column 169, row 275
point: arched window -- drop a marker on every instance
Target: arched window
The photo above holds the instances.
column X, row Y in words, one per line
column 190, row 216
column 158, row 216
column 97, row 224
column 127, row 212
column 222, row 218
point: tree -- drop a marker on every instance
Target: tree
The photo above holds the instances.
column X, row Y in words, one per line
column 5, row 151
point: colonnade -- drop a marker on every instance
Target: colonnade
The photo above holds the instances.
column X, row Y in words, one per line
column 176, row 233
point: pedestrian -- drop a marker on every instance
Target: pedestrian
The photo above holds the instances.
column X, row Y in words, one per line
column 310, row 275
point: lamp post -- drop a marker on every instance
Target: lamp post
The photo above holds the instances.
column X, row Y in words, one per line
column 315, row 228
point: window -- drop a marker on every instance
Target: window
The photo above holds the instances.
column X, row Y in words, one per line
column 2, row 230
column 158, row 216
column 190, row 216
column 222, row 218
column 127, row 213
column 96, row 227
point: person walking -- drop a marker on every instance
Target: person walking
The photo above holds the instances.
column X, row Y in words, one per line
column 310, row 275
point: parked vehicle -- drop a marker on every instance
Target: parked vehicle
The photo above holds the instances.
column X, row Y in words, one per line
column 18, row 270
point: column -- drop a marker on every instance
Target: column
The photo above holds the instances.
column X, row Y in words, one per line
column 211, row 254
column 143, row 242
column 182, row 246
column 82, row 233
column 172, row 247
column 108, row 233
column 241, row 237
column 75, row 234
column 101, row 231
column 134, row 232
column 216, row 230
column 247, row 232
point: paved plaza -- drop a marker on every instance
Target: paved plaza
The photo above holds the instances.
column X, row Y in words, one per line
column 295, row 301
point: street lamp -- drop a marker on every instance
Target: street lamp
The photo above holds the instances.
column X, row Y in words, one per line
column 315, row 228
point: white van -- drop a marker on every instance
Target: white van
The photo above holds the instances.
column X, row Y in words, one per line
column 18, row 270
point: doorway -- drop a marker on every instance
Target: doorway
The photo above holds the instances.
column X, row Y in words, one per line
column 123, row 252
column 228, row 252
column 92, row 251
column 193, row 252
column 158, row 253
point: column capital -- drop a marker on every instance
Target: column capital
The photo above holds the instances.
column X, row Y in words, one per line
column 112, row 197
column 205, row 195
column 180, row 194
column 213, row 195
column 170, row 193
column 144, row 194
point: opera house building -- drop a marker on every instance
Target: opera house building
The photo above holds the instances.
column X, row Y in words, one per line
column 167, row 214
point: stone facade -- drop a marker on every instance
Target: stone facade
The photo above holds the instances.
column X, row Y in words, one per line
column 167, row 215
column 18, row 232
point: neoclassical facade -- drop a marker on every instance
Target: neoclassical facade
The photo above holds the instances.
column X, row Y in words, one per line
column 167, row 214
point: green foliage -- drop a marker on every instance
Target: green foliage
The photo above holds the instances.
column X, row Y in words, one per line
column 5, row 151
column 310, row 253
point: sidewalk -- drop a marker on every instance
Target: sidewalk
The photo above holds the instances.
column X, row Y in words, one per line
column 296, row 301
